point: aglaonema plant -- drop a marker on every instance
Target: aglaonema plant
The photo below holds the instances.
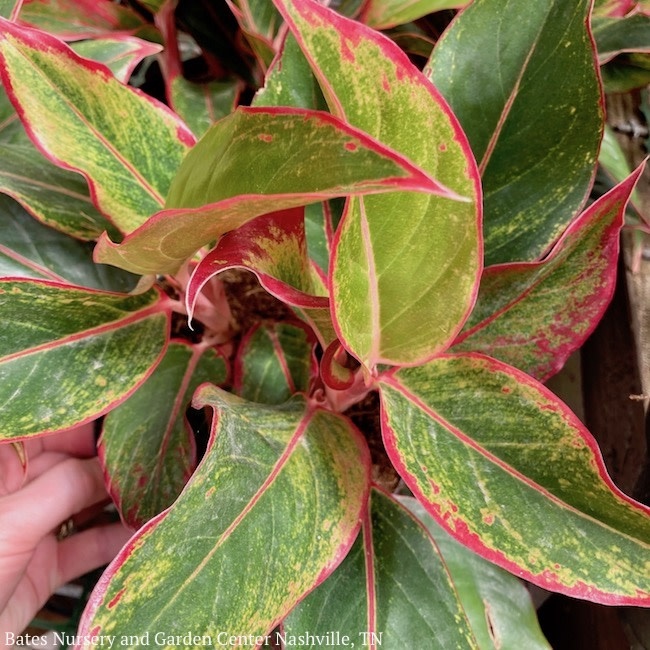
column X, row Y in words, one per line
column 425, row 240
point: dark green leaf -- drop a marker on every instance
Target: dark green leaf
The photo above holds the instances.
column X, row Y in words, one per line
column 536, row 139
column 28, row 249
column 147, row 448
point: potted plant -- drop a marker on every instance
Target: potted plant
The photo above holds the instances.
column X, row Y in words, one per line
column 358, row 278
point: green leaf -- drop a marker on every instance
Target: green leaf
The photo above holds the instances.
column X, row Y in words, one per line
column 77, row 19
column 257, row 17
column 57, row 197
column 68, row 354
column 511, row 473
column 382, row 14
column 300, row 157
column 84, row 119
column 11, row 129
column 121, row 54
column 259, row 22
column 497, row 604
column 319, row 234
column 147, row 447
column 612, row 157
column 392, row 590
column 271, row 510
column 8, row 8
column 616, row 35
column 536, row 139
column 201, row 105
column 400, row 259
column 626, row 72
column 535, row 315
column 28, row 249
column 290, row 80
column 274, row 362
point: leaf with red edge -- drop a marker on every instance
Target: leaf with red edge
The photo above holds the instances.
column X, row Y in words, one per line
column 392, row 590
column 510, row 472
column 617, row 35
column 68, row 355
column 536, row 140
column 415, row 587
column 382, row 14
column 83, row 119
column 28, row 249
column 77, row 19
column 401, row 258
column 147, row 447
column 299, row 157
column 9, row 8
column 274, row 362
column 273, row 247
column 498, row 605
column 535, row 315
column 121, row 54
column 259, row 22
column 57, row 197
column 291, row 478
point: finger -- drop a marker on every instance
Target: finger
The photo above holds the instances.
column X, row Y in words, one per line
column 41, row 506
column 13, row 468
column 55, row 564
column 90, row 549
column 78, row 441
column 27, row 587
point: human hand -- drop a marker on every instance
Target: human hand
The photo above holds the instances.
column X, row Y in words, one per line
column 62, row 478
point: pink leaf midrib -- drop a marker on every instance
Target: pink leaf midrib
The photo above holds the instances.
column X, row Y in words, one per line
column 507, row 107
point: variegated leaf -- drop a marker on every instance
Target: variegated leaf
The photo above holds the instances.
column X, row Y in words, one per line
column 300, row 157
column 147, row 447
column 536, row 140
column 292, row 478
column 77, row 19
column 401, row 584
column 400, row 259
column 121, row 54
column 535, row 315
column 80, row 351
column 85, row 120
column 273, row 247
column 57, row 197
column 511, row 473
